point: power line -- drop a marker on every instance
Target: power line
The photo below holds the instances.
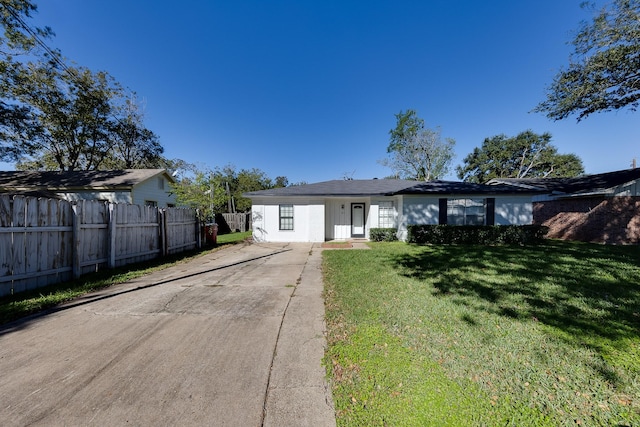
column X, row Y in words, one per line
column 55, row 56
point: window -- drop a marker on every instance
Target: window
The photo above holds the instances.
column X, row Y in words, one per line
column 386, row 217
column 286, row 217
column 465, row 211
column 151, row 203
column 160, row 183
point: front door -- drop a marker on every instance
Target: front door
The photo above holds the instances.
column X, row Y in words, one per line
column 357, row 220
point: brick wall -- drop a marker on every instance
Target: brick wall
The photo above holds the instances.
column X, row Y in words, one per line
column 614, row 220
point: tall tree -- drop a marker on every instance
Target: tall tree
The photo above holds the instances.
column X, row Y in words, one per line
column 57, row 117
column 604, row 69
column 134, row 146
column 72, row 114
column 416, row 152
column 221, row 189
column 17, row 41
column 527, row 155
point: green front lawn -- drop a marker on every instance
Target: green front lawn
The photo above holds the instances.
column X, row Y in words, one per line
column 475, row 335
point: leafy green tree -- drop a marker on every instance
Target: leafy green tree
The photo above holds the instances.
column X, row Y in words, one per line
column 72, row 114
column 416, row 152
column 604, row 69
column 17, row 40
column 16, row 43
column 134, row 146
column 220, row 190
column 195, row 189
column 57, row 117
column 527, row 155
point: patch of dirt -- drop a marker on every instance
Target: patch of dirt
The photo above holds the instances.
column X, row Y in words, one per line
column 337, row 245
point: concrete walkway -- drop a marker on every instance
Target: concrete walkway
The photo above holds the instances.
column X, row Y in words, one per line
column 232, row 338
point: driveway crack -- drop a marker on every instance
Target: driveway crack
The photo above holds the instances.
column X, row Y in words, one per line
column 275, row 347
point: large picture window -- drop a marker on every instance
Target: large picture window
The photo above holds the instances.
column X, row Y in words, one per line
column 286, row 217
column 466, row 211
column 386, row 217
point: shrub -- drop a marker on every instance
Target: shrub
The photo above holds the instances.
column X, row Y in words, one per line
column 383, row 234
column 476, row 234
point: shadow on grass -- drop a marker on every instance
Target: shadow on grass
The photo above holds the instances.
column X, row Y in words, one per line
column 590, row 293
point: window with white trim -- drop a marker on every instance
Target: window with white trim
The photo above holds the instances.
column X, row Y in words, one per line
column 286, row 217
column 466, row 211
column 386, row 215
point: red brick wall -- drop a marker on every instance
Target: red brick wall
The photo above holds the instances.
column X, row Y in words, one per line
column 614, row 220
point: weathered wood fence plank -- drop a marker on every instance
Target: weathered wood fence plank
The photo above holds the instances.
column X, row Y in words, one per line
column 238, row 221
column 46, row 241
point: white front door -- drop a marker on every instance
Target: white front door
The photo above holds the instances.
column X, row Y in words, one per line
column 357, row 220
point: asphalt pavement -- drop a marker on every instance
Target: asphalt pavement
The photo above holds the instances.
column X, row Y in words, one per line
column 232, row 338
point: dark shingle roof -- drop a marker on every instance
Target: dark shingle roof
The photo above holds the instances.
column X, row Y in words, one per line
column 74, row 180
column 389, row 187
column 592, row 184
column 355, row 187
column 457, row 187
column 386, row 187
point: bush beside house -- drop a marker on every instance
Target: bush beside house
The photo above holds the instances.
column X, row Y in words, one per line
column 476, row 234
column 383, row 234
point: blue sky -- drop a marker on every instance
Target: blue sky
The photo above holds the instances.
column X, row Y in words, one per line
column 309, row 89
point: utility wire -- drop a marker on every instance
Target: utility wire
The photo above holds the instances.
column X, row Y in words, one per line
column 55, row 55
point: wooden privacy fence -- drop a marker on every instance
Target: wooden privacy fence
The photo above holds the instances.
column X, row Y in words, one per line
column 47, row 241
column 236, row 221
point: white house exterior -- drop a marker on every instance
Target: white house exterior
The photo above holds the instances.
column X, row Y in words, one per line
column 343, row 210
column 131, row 186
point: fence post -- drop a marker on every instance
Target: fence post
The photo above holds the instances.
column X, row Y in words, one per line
column 111, row 255
column 198, row 233
column 162, row 223
column 76, row 268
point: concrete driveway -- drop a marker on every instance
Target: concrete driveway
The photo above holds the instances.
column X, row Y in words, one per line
column 233, row 338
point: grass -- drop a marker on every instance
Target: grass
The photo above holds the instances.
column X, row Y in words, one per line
column 17, row 306
column 475, row 335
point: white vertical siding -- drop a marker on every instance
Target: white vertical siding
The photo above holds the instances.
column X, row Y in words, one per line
column 338, row 219
column 373, row 217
